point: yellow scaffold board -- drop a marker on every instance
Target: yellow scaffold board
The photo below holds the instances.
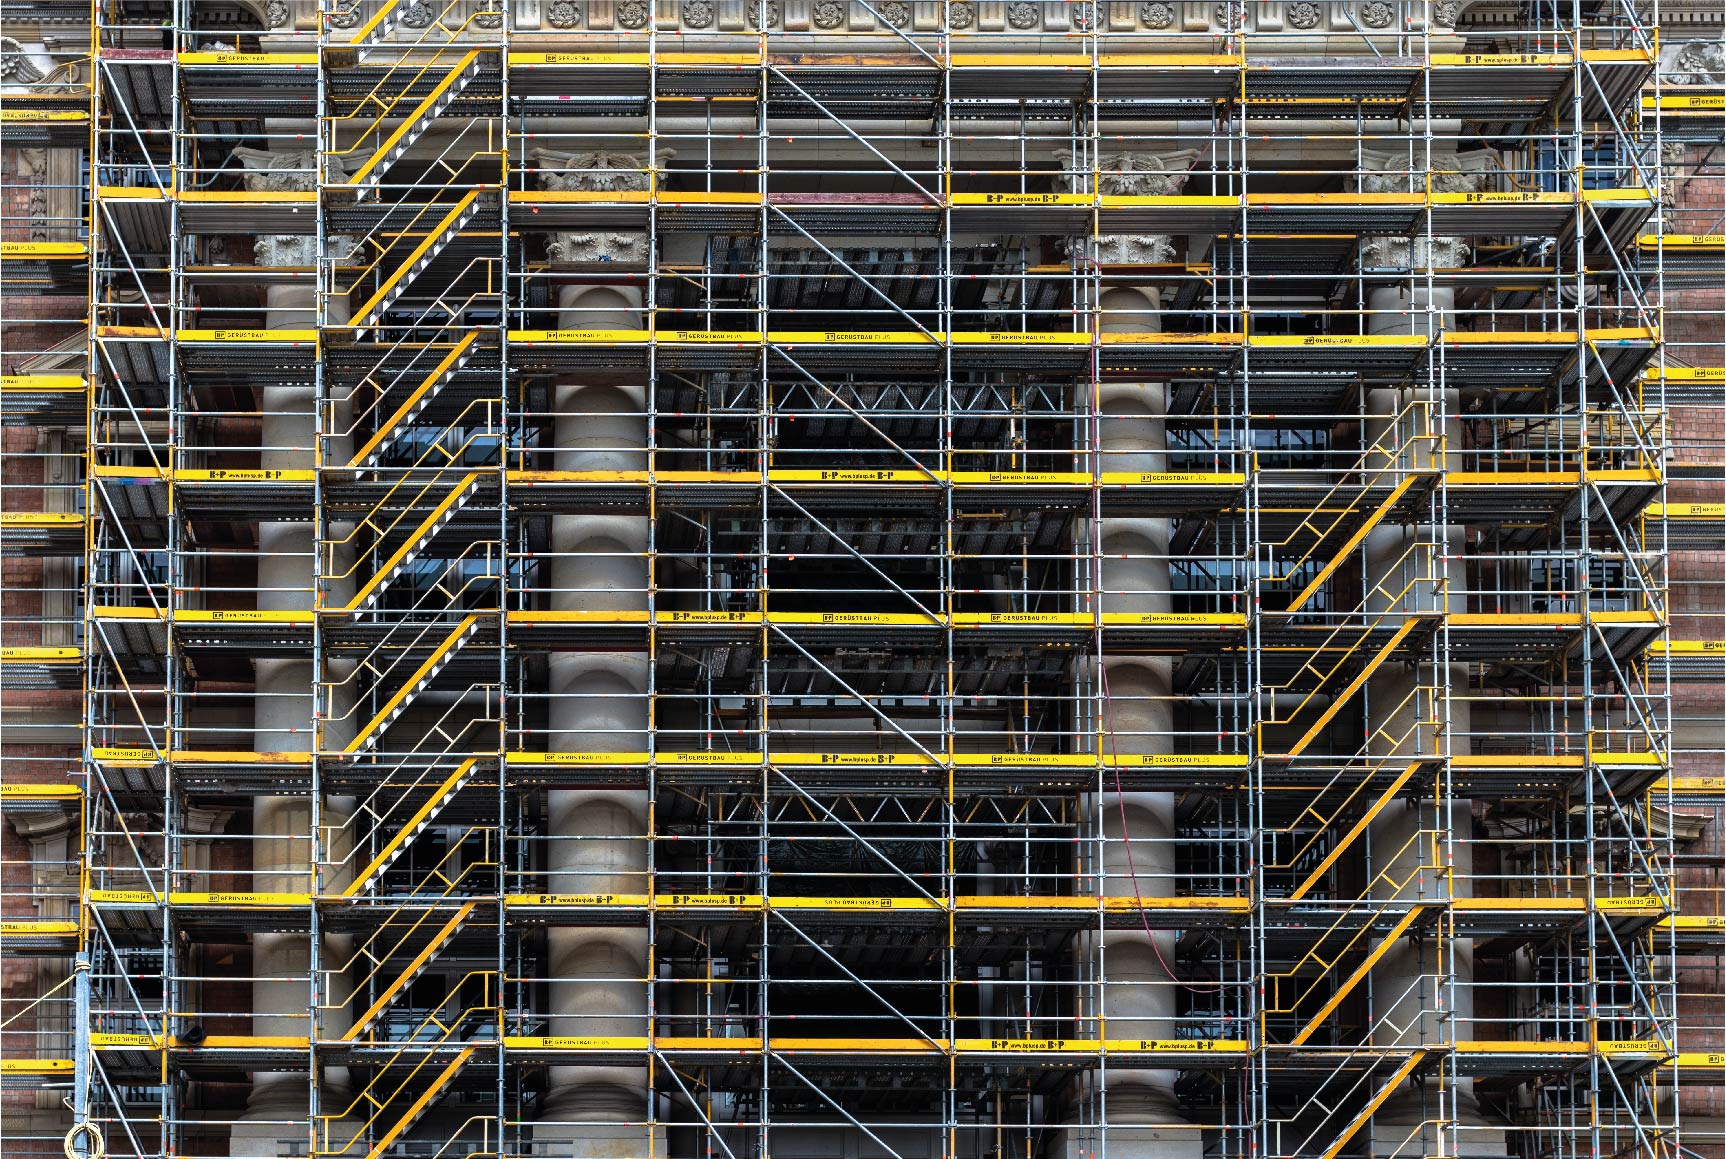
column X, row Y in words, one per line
column 674, row 902
column 26, row 791
column 43, row 116
column 1642, row 904
column 194, row 898
column 1686, row 374
column 248, row 197
column 23, row 1066
column 626, row 1044
column 1710, row 786
column 250, row 59
column 206, row 615
column 1688, row 648
column 793, row 476
column 1689, row 241
column 41, row 383
column 885, row 619
column 43, row 249
column 1713, row 512
column 1684, row 102
column 1706, row 1063
column 20, row 519
column 241, row 475
column 39, row 655
column 139, row 755
column 957, row 760
column 274, row 337
column 23, row 929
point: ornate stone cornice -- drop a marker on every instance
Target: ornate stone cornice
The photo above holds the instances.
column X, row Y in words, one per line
column 1690, row 17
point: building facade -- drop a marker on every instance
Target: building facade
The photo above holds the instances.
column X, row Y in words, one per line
column 859, row 578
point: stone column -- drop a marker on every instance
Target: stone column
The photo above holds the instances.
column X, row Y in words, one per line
column 1138, row 829
column 1405, row 305
column 1139, row 995
column 597, row 839
column 1412, row 1004
column 283, row 999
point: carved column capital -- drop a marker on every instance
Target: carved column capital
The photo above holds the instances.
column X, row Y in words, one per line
column 286, row 249
column 599, row 171
column 1386, row 171
column 1130, row 174
column 299, row 249
column 1127, row 249
column 286, row 170
column 1415, row 253
column 597, row 247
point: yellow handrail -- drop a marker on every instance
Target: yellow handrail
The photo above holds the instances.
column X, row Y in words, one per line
column 416, row 539
column 362, row 319
column 419, row 111
column 407, row 828
column 1319, row 823
column 449, row 930
column 409, row 479
column 1350, row 924
column 1378, row 1099
column 1354, row 686
column 1362, row 467
column 426, row 1050
column 421, row 675
column 1343, row 631
column 456, row 353
column 1384, row 946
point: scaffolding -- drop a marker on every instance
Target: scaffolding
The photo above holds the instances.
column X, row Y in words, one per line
column 867, row 578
